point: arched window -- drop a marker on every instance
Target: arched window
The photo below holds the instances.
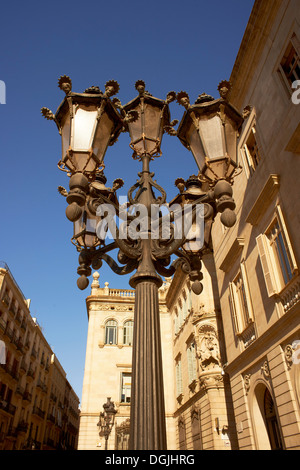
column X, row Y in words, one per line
column 128, row 332
column 111, row 332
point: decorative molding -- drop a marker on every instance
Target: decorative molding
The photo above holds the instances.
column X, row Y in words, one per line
column 264, row 199
column 288, row 353
column 113, row 308
column 247, row 382
column 208, row 381
column 232, row 254
column 265, row 369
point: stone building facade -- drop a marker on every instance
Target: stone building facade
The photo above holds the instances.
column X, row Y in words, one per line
column 197, row 396
column 38, row 407
column 231, row 356
column 257, row 260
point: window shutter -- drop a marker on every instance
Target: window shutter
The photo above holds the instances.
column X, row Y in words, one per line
column 247, row 291
column 266, row 265
column 245, row 161
column 287, row 239
column 178, row 378
column 234, row 308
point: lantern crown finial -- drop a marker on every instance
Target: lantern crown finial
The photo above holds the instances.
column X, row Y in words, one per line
column 183, row 99
column 224, row 88
column 204, row 98
column 111, row 88
column 93, row 90
column 140, row 86
column 65, row 84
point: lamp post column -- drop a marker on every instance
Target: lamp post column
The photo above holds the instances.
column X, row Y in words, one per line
column 147, row 415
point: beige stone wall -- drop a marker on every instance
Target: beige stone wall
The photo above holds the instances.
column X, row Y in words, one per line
column 275, row 182
column 105, row 363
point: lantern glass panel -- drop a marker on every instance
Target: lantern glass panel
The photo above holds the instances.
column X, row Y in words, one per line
column 152, row 121
column 85, row 231
column 65, row 133
column 84, row 127
column 147, row 130
column 211, row 133
column 196, row 146
column 231, row 140
column 194, row 239
column 102, row 137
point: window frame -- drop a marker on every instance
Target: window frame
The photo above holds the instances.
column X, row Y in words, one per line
column 128, row 332
column 191, row 361
column 250, row 131
column 291, row 43
column 271, row 265
column 125, row 375
column 241, row 318
column 178, row 374
column 106, row 332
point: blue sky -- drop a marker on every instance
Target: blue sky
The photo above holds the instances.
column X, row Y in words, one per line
column 176, row 45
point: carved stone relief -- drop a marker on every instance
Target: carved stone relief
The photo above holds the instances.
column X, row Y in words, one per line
column 208, row 351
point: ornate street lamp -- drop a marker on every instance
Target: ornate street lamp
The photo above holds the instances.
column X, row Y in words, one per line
column 107, row 420
column 88, row 123
column 209, row 128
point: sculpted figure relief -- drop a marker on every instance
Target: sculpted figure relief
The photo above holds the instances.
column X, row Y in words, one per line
column 208, row 350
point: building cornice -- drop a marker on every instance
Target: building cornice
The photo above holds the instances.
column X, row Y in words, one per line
column 257, row 32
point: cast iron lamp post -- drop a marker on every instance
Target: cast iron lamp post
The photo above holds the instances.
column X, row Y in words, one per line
column 107, row 420
column 88, row 123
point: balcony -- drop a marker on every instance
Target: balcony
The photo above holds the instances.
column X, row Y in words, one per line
column 22, row 427
column 42, row 386
column 6, row 300
column 11, row 433
column 27, row 396
column 7, row 407
column 23, row 326
column 33, row 353
column 2, row 325
column 51, row 418
column 8, row 332
column 18, row 318
column 23, row 367
column 19, row 391
column 30, row 374
column 38, row 412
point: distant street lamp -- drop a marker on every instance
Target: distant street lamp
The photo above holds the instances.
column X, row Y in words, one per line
column 107, row 420
column 146, row 239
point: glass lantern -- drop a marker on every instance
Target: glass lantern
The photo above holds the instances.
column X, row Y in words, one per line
column 146, row 129
column 210, row 129
column 88, row 123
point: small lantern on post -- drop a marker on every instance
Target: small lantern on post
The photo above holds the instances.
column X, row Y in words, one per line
column 107, row 420
column 149, row 116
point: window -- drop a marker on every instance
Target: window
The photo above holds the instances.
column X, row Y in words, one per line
column 250, row 152
column 289, row 68
column 179, row 387
column 276, row 255
column 111, row 332
column 240, row 301
column 128, row 332
column 184, row 306
column 125, row 387
column 192, row 365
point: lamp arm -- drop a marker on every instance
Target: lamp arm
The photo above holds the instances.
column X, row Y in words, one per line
column 121, row 270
